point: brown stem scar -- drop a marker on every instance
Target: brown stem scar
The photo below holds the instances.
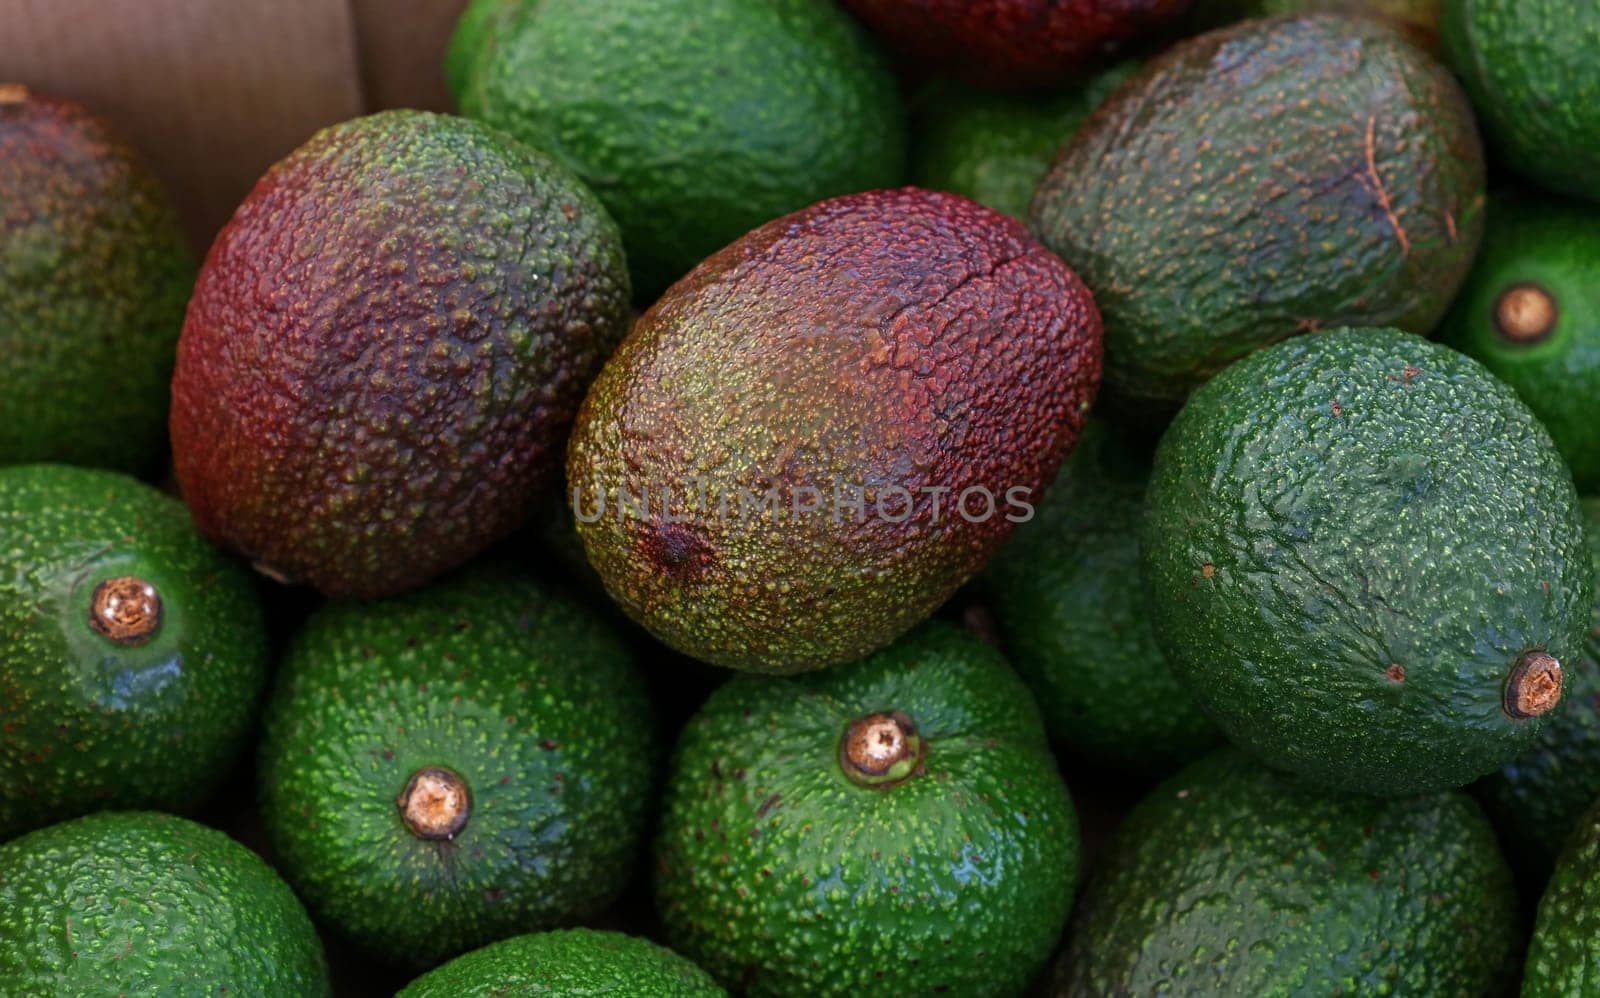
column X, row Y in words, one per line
column 1534, row 686
column 126, row 610
column 435, row 804
column 1526, row 313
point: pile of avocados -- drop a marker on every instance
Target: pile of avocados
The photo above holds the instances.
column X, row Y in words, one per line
column 823, row 498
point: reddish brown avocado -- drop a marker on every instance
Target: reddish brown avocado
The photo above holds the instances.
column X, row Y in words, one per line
column 896, row 347
column 1011, row 43
column 386, row 347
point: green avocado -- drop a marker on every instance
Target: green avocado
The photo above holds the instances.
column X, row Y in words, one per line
column 1261, row 181
column 1365, row 558
column 895, row 826
column 1530, row 311
column 454, row 766
column 694, row 120
column 1066, row 594
column 126, row 903
column 1231, row 879
column 132, row 653
column 94, row 273
column 1564, row 954
column 567, row 963
column 1529, row 66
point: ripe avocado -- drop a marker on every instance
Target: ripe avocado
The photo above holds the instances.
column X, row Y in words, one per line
column 132, row 653
column 94, row 274
column 1564, row 955
column 567, row 962
column 1264, row 180
column 386, row 347
column 894, row 826
column 1529, row 66
column 1231, row 879
column 1419, row 19
column 1066, row 593
column 1363, row 555
column 126, row 903
column 815, row 438
column 694, row 120
column 456, row 765
column 1530, row 311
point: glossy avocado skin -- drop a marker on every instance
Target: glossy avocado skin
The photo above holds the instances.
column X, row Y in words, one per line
column 385, row 350
column 94, row 274
column 1529, row 67
column 518, row 690
column 1563, row 957
column 1261, row 181
column 92, row 722
column 567, row 962
column 140, row 903
column 781, row 876
column 1350, row 541
column 1067, row 596
column 1230, row 878
column 1555, row 246
column 694, row 120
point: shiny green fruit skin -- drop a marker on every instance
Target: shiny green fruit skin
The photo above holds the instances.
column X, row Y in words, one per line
column 567, row 962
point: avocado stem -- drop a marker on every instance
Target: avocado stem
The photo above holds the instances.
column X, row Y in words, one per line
column 1534, row 686
column 880, row 750
column 1526, row 313
column 435, row 804
column 126, row 610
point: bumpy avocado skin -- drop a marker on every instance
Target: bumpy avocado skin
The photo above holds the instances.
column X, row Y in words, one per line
column 1564, row 956
column 1554, row 245
column 1066, row 594
column 567, row 962
column 94, row 274
column 139, row 903
column 694, row 120
column 1350, row 540
column 385, row 348
column 91, row 723
column 1261, row 181
column 515, row 688
column 1232, row 879
column 900, row 347
column 1529, row 67
column 782, row 877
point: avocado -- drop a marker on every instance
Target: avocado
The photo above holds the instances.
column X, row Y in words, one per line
column 1564, row 954
column 1529, row 66
column 1264, row 180
column 1231, row 879
column 456, row 765
column 694, row 120
column 126, row 903
column 94, row 274
column 817, row 436
column 1530, row 311
column 132, row 653
column 1012, row 44
column 995, row 148
column 1065, row 593
column 385, row 349
column 1364, row 557
column 893, row 826
column 568, row 963
column 1418, row 19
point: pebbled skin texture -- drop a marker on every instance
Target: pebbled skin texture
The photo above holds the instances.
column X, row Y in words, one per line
column 694, row 120
column 1012, row 43
column 895, row 339
column 1261, row 181
column 86, row 723
column 1229, row 879
column 783, row 878
column 94, row 274
column 1529, row 66
column 1556, row 245
column 1341, row 504
column 386, row 347
column 1066, row 594
column 127, row 903
column 568, row 962
column 1564, row 954
column 517, row 689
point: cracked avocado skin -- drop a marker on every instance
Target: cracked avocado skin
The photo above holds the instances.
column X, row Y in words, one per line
column 1363, row 555
column 133, row 654
column 894, row 826
column 1231, row 879
column 567, row 962
column 457, row 765
column 1261, row 181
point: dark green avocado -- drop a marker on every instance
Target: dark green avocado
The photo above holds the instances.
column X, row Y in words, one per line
column 567, row 963
column 1564, row 955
